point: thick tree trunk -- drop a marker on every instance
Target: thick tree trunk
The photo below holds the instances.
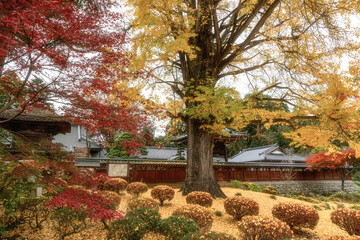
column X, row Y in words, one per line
column 199, row 170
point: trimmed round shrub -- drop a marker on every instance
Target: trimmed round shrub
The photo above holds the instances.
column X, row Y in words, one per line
column 137, row 203
column 200, row 215
column 208, row 236
column 113, row 197
column 128, row 229
column 201, row 198
column 176, row 227
column 78, row 187
column 347, row 219
column 296, row 214
column 239, row 207
column 148, row 215
column 162, row 193
column 270, row 190
column 136, row 188
column 115, row 184
column 264, row 228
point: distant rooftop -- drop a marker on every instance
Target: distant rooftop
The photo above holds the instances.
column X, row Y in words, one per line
column 268, row 153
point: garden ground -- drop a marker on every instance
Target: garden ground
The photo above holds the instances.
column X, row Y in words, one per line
column 224, row 223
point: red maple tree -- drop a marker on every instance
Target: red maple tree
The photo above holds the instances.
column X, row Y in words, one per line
column 343, row 163
column 45, row 40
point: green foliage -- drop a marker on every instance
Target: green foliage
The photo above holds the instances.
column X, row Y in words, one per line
column 327, row 206
column 296, row 215
column 239, row 207
column 236, row 184
column 68, row 221
column 34, row 211
column 127, row 145
column 218, row 213
column 208, row 236
column 307, row 199
column 357, row 207
column 347, row 219
column 128, row 229
column 238, row 194
column 176, row 227
column 264, row 228
column 273, row 197
column 346, row 197
column 255, row 188
column 150, row 216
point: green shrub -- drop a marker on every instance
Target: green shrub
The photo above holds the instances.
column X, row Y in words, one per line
column 356, row 207
column 208, row 236
column 128, row 229
column 34, row 211
column 317, row 207
column 162, row 193
column 239, row 207
column 296, row 215
column 346, row 197
column 307, row 199
column 273, row 197
column 199, row 214
column 327, row 206
column 340, row 205
column 176, row 227
column 347, row 219
column 136, row 203
column 136, row 188
column 238, row 194
column 201, row 198
column 264, row 228
column 115, row 185
column 270, row 190
column 236, row 184
column 67, row 221
column 150, row 216
column 246, row 185
column 255, row 188
column 218, row 213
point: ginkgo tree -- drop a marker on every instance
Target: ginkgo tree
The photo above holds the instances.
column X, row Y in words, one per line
column 290, row 50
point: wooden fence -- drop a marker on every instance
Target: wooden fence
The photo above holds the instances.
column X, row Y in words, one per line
column 174, row 174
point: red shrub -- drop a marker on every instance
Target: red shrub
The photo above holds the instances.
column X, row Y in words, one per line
column 201, row 198
column 91, row 204
column 115, row 185
column 347, row 219
column 113, row 198
column 264, row 228
column 200, row 215
column 239, row 207
column 136, row 188
column 296, row 214
column 137, row 203
column 162, row 193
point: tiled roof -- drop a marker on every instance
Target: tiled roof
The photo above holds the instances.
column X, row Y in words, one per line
column 267, row 153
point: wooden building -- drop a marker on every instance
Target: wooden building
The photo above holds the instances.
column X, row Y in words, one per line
column 37, row 126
